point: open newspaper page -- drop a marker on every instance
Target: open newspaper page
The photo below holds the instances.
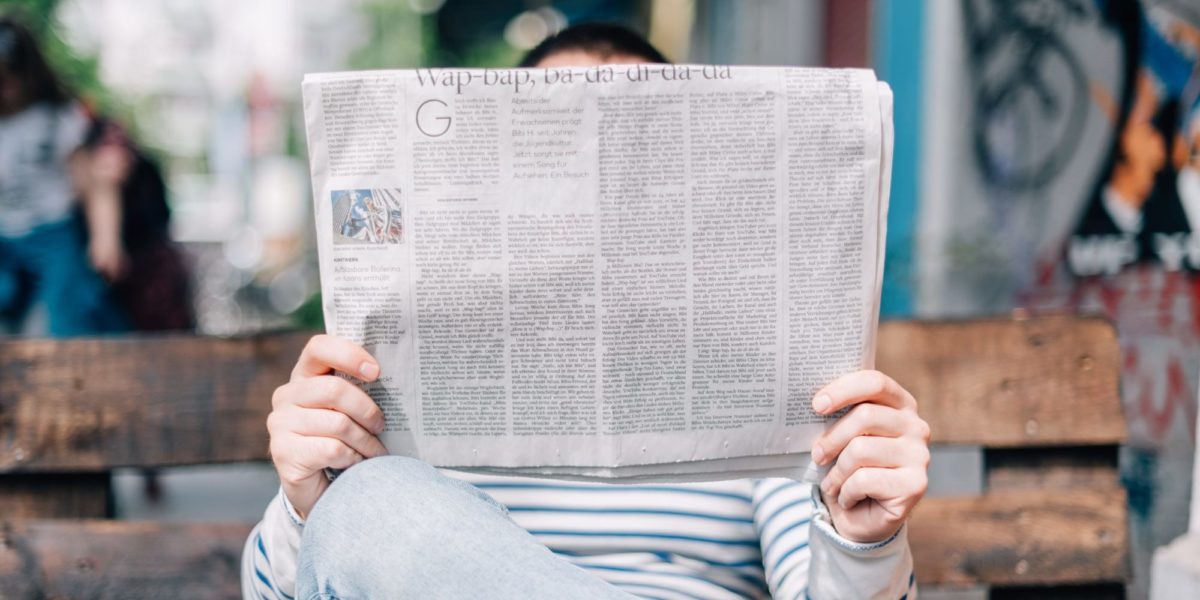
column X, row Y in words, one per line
column 623, row 272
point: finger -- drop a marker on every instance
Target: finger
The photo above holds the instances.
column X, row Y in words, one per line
column 333, row 393
column 299, row 457
column 862, row 386
column 882, row 485
column 873, row 451
column 319, row 422
column 329, row 453
column 326, row 353
column 864, row 419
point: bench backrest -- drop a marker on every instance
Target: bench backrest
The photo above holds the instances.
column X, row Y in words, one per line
column 1039, row 396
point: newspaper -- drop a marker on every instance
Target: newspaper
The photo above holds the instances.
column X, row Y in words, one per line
column 619, row 272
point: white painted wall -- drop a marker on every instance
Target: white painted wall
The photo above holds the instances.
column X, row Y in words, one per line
column 1194, row 524
column 763, row 32
column 946, row 112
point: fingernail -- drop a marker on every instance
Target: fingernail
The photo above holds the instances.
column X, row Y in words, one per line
column 368, row 369
column 818, row 454
column 843, row 503
column 821, row 403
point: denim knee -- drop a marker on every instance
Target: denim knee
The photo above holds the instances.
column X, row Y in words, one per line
column 381, row 515
column 388, row 484
column 389, row 493
column 382, row 475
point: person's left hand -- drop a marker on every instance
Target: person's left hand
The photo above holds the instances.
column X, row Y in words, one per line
column 881, row 449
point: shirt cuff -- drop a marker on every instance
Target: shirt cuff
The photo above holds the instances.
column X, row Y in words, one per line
column 823, row 522
column 290, row 510
column 841, row 568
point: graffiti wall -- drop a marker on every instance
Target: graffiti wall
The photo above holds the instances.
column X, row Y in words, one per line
column 1080, row 192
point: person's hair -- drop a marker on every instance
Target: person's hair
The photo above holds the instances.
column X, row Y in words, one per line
column 23, row 60
column 601, row 39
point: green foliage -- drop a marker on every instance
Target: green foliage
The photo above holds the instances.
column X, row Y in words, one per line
column 495, row 53
column 81, row 74
column 398, row 38
column 310, row 315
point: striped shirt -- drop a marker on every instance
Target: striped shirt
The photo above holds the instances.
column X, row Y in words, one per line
column 727, row 539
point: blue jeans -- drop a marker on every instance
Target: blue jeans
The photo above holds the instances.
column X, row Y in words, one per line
column 49, row 265
column 394, row 527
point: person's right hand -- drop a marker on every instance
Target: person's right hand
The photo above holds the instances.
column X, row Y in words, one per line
column 320, row 420
column 108, row 257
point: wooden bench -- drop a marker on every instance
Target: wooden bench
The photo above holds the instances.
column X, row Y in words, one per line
column 1039, row 397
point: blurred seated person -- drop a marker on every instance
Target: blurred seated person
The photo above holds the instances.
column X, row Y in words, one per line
column 43, row 170
column 394, row 527
column 154, row 288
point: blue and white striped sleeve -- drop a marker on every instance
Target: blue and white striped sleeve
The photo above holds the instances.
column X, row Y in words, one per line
column 270, row 554
column 805, row 558
column 783, row 511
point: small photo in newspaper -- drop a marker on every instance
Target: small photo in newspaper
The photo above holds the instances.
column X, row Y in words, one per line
column 367, row 217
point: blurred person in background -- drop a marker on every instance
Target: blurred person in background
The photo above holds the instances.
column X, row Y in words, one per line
column 44, row 259
column 395, row 527
column 154, row 287
column 84, row 219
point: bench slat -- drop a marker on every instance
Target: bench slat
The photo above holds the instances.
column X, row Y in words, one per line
column 1027, row 537
column 92, row 404
column 55, row 495
column 120, row 559
column 1048, row 381
column 1092, row 467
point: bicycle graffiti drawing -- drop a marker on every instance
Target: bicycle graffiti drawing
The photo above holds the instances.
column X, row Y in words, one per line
column 1031, row 92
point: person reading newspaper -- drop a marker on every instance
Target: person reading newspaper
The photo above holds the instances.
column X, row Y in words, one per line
column 392, row 526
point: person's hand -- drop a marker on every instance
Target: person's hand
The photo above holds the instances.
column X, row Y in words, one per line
column 107, row 257
column 320, row 420
column 110, row 165
column 98, row 176
column 881, row 449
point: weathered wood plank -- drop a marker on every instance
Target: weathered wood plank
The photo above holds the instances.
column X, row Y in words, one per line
column 1028, row 537
column 1086, row 467
column 172, row 400
column 56, row 495
column 1107, row 591
column 92, row 404
column 1009, row 538
column 118, row 559
column 1004, row 383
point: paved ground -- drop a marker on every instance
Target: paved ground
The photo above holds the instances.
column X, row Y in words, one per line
column 241, row 492
column 217, row 493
